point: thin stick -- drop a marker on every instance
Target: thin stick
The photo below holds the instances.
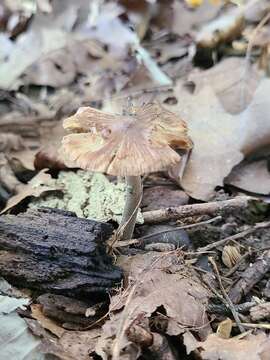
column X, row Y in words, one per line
column 140, row 239
column 236, row 266
column 229, row 302
column 182, row 227
column 254, row 35
column 258, row 226
column 255, row 326
column 211, row 208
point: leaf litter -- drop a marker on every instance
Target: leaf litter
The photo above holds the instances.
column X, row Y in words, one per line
column 208, row 63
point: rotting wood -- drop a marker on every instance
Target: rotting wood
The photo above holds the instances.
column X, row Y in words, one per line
column 53, row 251
column 250, row 277
column 211, row 208
column 70, row 312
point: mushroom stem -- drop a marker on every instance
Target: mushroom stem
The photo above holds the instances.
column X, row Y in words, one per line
column 133, row 199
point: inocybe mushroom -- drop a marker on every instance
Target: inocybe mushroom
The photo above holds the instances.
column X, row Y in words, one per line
column 125, row 145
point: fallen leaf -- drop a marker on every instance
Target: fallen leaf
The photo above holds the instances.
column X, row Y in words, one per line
column 9, row 304
column 224, row 329
column 256, row 11
column 45, row 322
column 185, row 20
column 60, row 67
column 156, row 287
column 9, row 141
column 221, row 140
column 233, row 80
column 253, row 177
column 71, row 345
column 158, row 197
column 36, row 186
column 74, row 345
column 251, row 347
column 224, row 28
column 28, row 48
column 16, row 341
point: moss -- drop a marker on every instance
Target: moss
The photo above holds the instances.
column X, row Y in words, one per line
column 89, row 195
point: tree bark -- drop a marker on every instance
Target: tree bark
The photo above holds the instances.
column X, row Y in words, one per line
column 53, row 251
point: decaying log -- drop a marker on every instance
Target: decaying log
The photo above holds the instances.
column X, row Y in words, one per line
column 54, row 251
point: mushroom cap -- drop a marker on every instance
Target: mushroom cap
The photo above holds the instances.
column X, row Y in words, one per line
column 125, row 145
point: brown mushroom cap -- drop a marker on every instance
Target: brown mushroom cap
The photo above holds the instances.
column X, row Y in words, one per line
column 125, row 145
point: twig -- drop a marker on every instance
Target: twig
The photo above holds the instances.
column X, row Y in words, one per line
column 236, row 266
column 254, row 35
column 251, row 276
column 258, row 226
column 255, row 326
column 182, row 227
column 211, row 208
column 228, row 300
column 140, row 240
column 225, row 311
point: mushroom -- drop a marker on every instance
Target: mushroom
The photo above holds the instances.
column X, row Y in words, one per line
column 128, row 145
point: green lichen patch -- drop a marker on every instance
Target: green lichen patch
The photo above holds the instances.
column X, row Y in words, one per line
column 89, row 195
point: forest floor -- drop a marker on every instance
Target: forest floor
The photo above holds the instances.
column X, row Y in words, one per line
column 193, row 282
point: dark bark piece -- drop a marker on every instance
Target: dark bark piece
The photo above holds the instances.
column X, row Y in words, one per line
column 260, row 312
column 54, row 251
column 250, row 277
column 70, row 311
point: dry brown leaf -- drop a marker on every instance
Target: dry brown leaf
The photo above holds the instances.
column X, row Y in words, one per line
column 221, row 140
column 230, row 255
column 224, row 329
column 60, row 67
column 56, row 69
column 251, row 347
column 253, row 177
column 36, row 186
column 77, row 344
column 45, row 322
column 156, row 286
column 158, row 197
column 28, row 48
column 233, row 81
column 71, row 345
